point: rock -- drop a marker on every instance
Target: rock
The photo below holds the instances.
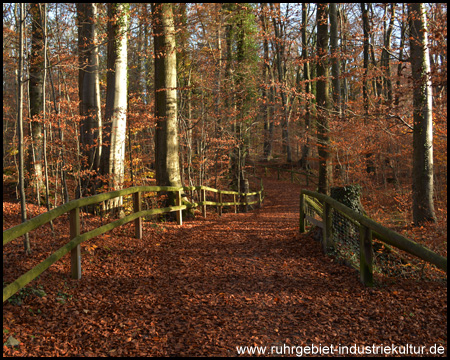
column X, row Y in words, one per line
column 11, row 342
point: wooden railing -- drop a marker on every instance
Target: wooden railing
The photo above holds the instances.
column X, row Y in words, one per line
column 322, row 205
column 73, row 208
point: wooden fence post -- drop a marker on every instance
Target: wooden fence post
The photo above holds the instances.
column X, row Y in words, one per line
column 179, row 212
column 219, row 207
column 261, row 192
column 366, row 256
column 138, row 222
column 75, row 253
column 302, row 213
column 203, row 198
column 326, row 226
column 235, row 206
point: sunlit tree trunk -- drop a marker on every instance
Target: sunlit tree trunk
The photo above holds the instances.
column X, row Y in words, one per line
column 231, row 99
column 423, row 207
column 365, row 17
column 266, row 88
column 400, row 57
column 280, row 51
column 113, row 151
column 344, row 35
column 23, row 208
column 335, row 62
column 385, row 61
column 89, row 93
column 323, row 103
column 166, row 135
column 218, row 112
column 304, row 162
column 35, row 151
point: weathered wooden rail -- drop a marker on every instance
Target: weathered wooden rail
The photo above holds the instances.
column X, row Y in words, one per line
column 322, row 205
column 73, row 208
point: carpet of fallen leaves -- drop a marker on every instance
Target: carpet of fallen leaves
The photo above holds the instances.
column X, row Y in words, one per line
column 208, row 286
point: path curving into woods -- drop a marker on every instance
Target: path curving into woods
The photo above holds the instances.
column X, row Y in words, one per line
column 217, row 283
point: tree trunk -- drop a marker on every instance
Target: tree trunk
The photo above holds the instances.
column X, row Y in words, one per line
column 400, row 63
column 113, row 154
column 385, row 57
column 323, row 103
column 166, row 135
column 89, row 94
column 344, row 34
column 279, row 47
column 335, row 63
column 23, row 208
column 365, row 16
column 422, row 188
column 304, row 163
column 266, row 89
column 36, row 82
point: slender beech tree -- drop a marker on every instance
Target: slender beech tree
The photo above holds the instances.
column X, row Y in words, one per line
column 400, row 58
column 166, row 134
column 231, row 99
column 23, row 208
column 279, row 29
column 335, row 63
column 89, row 94
column 385, row 57
column 365, row 17
column 307, row 79
column 266, row 89
column 323, row 102
column 113, row 149
column 35, row 151
column 422, row 187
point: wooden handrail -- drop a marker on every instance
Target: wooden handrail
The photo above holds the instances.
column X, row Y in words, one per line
column 73, row 207
column 367, row 228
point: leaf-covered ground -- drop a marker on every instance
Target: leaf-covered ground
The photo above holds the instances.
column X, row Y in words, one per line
column 208, row 287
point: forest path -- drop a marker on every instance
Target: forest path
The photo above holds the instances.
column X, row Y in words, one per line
column 214, row 284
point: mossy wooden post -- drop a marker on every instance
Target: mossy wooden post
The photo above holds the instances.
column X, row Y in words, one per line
column 365, row 255
column 75, row 253
column 326, row 226
column 179, row 212
column 292, row 176
column 138, row 221
column 261, row 192
column 235, row 206
column 219, row 207
column 302, row 213
column 278, row 174
column 203, row 198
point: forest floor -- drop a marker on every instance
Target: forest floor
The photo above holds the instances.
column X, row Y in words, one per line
column 209, row 287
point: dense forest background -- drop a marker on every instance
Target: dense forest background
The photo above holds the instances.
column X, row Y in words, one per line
column 328, row 89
